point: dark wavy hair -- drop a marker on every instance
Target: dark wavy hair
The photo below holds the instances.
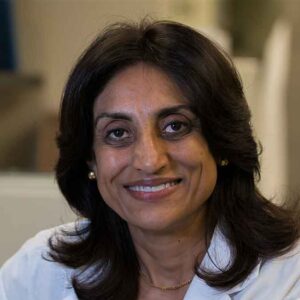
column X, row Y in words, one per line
column 103, row 252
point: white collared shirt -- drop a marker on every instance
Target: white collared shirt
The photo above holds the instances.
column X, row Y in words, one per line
column 27, row 276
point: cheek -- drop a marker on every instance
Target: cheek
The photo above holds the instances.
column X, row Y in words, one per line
column 195, row 159
column 193, row 153
column 110, row 163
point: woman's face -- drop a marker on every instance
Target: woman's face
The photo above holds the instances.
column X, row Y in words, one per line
column 153, row 167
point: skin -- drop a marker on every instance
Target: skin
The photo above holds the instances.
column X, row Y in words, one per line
column 155, row 170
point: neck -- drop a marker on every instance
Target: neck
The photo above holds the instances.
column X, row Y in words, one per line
column 169, row 258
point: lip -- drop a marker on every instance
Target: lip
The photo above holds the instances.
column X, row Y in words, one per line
column 141, row 189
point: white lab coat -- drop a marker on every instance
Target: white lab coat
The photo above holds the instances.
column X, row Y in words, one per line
column 27, row 276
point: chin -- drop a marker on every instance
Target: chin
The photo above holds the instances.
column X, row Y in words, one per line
column 156, row 224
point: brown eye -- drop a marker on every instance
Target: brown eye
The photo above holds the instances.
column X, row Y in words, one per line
column 117, row 134
column 176, row 129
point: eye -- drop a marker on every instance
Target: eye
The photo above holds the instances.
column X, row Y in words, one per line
column 176, row 129
column 117, row 134
column 174, row 126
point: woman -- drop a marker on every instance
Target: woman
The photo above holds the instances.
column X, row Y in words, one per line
column 157, row 155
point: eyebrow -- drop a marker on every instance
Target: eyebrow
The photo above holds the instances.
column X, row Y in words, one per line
column 173, row 110
column 160, row 114
column 117, row 116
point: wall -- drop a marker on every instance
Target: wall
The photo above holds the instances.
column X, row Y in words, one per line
column 53, row 33
column 28, row 204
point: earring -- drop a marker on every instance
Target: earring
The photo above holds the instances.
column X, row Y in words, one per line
column 224, row 162
column 91, row 175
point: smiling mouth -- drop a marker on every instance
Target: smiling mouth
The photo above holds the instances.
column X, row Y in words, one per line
column 153, row 188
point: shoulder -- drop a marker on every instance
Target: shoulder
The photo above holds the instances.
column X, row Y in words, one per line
column 285, row 268
column 30, row 271
column 278, row 278
column 288, row 264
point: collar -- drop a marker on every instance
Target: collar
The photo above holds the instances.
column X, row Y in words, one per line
column 218, row 257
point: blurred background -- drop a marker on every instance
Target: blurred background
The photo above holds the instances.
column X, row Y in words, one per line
column 40, row 41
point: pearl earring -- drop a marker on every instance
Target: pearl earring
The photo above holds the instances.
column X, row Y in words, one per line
column 91, row 175
column 224, row 162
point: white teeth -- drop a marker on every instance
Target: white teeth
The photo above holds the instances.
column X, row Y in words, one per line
column 151, row 189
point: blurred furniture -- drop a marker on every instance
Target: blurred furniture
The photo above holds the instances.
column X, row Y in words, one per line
column 20, row 116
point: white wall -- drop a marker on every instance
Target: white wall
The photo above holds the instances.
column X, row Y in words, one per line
column 51, row 34
column 28, row 204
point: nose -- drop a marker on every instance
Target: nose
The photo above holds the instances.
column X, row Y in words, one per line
column 150, row 154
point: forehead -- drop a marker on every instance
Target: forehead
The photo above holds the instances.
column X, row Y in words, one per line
column 140, row 87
